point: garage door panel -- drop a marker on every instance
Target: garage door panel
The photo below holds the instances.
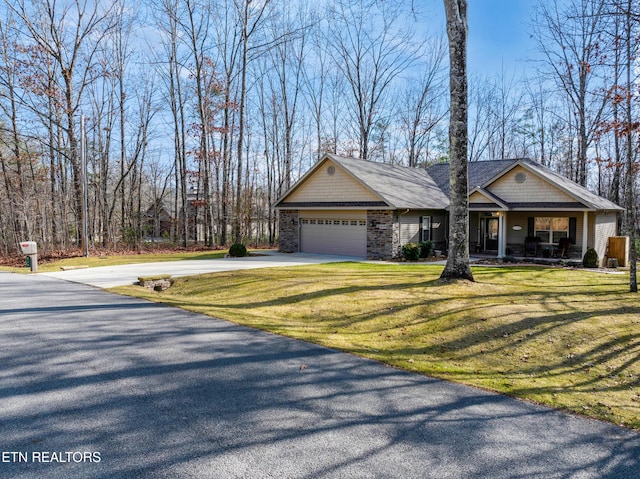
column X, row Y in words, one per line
column 334, row 236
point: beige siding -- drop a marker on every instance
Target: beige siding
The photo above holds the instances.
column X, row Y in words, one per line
column 532, row 189
column 605, row 227
column 410, row 225
column 591, row 233
column 321, row 186
column 517, row 219
column 409, row 228
column 478, row 197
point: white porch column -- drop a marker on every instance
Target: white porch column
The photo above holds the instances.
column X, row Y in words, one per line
column 501, row 235
column 585, row 232
column 505, row 232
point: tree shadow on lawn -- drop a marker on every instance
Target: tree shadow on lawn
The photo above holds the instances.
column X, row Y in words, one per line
column 478, row 304
column 602, row 371
column 484, row 325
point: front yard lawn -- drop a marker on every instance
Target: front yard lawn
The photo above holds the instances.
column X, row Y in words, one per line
column 566, row 338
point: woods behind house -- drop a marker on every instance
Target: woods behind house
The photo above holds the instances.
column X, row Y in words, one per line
column 200, row 114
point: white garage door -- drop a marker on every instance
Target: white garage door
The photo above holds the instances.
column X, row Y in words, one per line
column 334, row 236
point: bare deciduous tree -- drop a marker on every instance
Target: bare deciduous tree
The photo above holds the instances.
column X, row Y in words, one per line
column 568, row 35
column 628, row 97
column 422, row 109
column 371, row 49
column 69, row 35
column 251, row 15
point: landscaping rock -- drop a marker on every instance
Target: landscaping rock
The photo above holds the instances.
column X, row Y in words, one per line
column 157, row 283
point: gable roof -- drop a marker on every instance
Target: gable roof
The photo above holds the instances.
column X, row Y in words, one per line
column 398, row 186
column 483, row 173
column 579, row 192
column 480, row 172
column 494, row 201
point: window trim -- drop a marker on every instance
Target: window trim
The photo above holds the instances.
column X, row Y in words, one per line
column 551, row 231
column 425, row 230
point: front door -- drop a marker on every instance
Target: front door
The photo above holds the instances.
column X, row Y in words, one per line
column 491, row 234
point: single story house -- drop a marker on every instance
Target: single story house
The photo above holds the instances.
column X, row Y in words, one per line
column 362, row 208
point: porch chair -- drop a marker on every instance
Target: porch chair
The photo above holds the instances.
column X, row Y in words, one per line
column 564, row 244
column 530, row 247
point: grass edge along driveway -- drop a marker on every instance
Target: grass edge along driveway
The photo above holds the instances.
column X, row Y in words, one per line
column 97, row 260
column 569, row 339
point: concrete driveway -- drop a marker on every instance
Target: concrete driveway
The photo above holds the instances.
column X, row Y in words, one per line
column 97, row 385
column 110, row 276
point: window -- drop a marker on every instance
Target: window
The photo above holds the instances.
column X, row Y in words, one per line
column 426, row 228
column 551, row 230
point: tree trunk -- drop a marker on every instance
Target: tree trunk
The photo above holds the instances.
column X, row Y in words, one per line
column 630, row 202
column 457, row 266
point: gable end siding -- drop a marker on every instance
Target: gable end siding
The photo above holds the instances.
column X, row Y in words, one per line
column 605, row 227
column 338, row 187
column 508, row 189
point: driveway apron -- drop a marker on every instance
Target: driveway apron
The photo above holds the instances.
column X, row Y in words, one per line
column 110, row 276
column 93, row 384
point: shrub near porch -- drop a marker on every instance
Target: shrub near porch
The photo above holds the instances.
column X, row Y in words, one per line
column 566, row 338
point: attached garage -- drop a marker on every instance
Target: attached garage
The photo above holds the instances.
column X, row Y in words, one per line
column 343, row 233
column 351, row 207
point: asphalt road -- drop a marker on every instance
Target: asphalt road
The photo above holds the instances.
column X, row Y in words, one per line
column 97, row 385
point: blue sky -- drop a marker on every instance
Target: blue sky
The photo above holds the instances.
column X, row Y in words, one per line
column 499, row 32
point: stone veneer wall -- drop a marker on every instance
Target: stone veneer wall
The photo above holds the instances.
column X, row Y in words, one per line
column 382, row 234
column 288, row 231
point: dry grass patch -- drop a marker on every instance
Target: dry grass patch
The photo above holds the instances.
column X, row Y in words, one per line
column 116, row 259
column 566, row 338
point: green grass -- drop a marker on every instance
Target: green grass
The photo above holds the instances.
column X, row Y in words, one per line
column 569, row 339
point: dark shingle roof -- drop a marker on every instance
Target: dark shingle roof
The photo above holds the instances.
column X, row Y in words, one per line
column 415, row 188
column 480, row 172
column 399, row 186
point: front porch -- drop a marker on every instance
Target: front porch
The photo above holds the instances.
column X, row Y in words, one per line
column 548, row 234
